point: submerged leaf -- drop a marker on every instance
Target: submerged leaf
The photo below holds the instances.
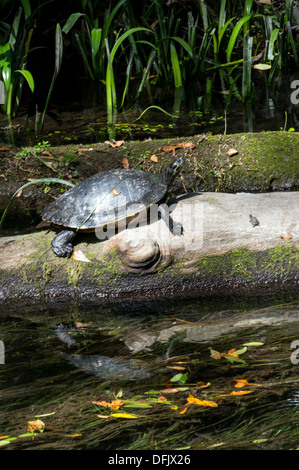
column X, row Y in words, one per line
column 196, row 401
column 123, row 415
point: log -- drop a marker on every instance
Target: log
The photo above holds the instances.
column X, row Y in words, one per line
column 266, row 161
column 233, row 244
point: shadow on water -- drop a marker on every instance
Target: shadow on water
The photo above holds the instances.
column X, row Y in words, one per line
column 76, row 370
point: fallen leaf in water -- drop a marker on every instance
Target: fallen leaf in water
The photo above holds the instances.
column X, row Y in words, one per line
column 196, row 401
column 170, row 390
column 203, row 385
column 154, row 158
column 162, row 398
column 37, row 425
column 116, row 193
column 126, row 163
column 114, row 405
column 114, row 144
column 184, row 410
column 286, row 237
column 78, row 255
column 241, row 383
column 123, row 415
column 234, row 393
column 176, row 367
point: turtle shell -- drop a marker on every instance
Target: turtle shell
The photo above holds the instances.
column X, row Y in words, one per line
column 106, row 198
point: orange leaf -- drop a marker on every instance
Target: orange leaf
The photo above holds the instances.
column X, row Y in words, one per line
column 240, row 392
column 188, row 145
column 116, row 193
column 114, row 405
column 184, row 410
column 286, row 237
column 241, row 383
column 114, row 144
column 126, row 163
column 169, row 148
column 202, row 385
column 161, row 398
column 196, row 401
column 154, row 158
column 176, row 367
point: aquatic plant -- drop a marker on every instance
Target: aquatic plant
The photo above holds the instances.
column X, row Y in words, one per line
column 15, row 41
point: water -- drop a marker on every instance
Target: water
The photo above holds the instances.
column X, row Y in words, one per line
column 58, row 363
column 77, row 117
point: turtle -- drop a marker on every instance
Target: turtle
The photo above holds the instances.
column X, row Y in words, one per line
column 107, row 198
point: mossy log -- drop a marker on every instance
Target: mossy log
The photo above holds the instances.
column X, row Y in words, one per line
column 223, row 252
column 266, row 161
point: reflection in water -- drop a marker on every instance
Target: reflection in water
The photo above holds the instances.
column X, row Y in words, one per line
column 59, row 369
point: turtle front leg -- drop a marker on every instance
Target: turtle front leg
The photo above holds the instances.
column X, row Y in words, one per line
column 175, row 227
column 61, row 244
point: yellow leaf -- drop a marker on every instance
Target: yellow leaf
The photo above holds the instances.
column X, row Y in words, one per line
column 184, row 410
column 123, row 415
column 196, row 401
column 241, row 383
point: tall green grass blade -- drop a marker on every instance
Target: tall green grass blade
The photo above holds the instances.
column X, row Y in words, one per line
column 71, row 21
column 292, row 42
column 110, row 87
column 246, row 79
column 145, row 74
column 123, row 37
column 58, row 59
column 235, row 34
column 27, row 8
column 272, row 41
column 15, row 27
column 41, row 180
column 175, row 66
column 96, row 37
column 29, row 78
column 222, row 15
column 204, row 14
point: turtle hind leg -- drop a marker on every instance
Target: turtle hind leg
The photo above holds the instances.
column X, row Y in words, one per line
column 175, row 227
column 62, row 243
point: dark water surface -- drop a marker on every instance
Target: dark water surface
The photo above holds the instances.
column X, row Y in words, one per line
column 58, row 363
column 78, row 116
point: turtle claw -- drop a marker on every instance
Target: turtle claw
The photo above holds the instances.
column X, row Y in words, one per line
column 61, row 245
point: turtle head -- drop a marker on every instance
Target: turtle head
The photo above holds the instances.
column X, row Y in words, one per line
column 173, row 170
